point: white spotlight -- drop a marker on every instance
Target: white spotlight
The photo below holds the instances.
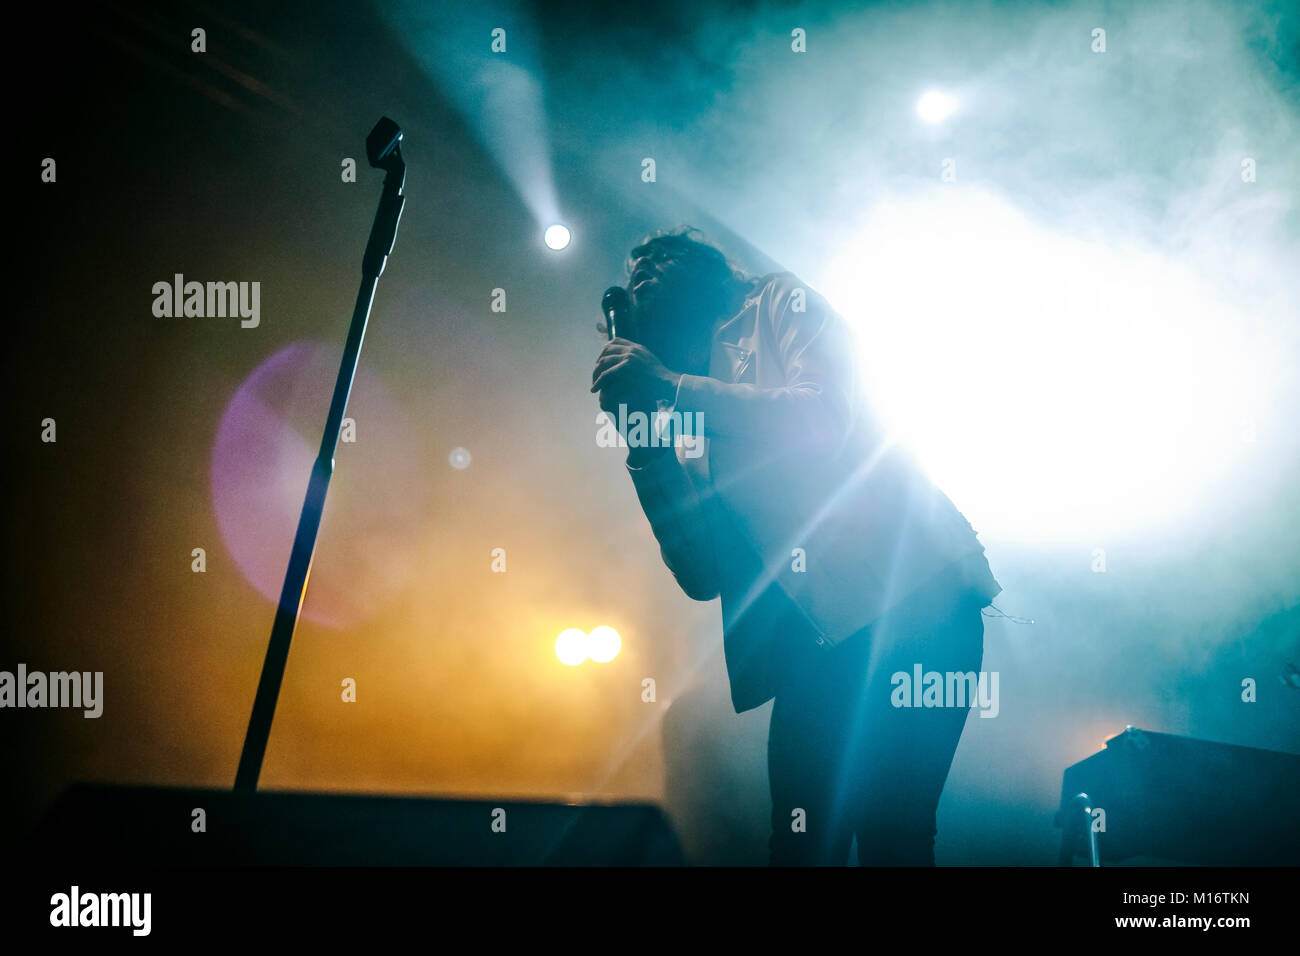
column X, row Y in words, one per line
column 571, row 646
column 603, row 644
column 557, row 236
column 935, row 107
column 1083, row 388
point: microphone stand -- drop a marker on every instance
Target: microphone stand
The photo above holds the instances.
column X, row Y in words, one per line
column 383, row 148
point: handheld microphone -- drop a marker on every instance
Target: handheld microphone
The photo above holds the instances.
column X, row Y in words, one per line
column 616, row 305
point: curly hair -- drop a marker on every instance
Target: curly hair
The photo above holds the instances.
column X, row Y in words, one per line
column 687, row 245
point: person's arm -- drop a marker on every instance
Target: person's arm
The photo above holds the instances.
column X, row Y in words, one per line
column 628, row 373
column 816, row 406
column 671, row 501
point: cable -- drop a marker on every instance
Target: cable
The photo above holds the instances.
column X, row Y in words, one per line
column 1003, row 614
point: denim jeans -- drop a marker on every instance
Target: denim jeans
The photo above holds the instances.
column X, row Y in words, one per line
column 851, row 761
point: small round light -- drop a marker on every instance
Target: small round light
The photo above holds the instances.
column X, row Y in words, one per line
column 571, row 647
column 459, row 459
column 557, row 236
column 935, row 107
column 603, row 644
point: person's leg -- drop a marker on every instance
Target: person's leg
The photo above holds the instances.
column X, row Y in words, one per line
column 903, row 754
column 806, row 763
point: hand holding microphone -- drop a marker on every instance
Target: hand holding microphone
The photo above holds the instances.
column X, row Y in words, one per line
column 616, row 307
column 627, row 373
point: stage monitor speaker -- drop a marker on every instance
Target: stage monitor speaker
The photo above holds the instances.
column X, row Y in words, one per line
column 1184, row 800
column 158, row 826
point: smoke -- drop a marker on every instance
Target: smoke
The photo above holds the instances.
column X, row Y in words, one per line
column 1163, row 166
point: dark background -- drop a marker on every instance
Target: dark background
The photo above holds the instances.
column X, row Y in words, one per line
column 226, row 166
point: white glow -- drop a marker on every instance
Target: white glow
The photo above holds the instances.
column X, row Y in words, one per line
column 603, row 644
column 935, row 107
column 571, row 646
column 1055, row 388
column 557, row 236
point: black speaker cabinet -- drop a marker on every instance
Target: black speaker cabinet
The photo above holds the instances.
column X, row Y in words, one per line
column 157, row 826
column 1184, row 800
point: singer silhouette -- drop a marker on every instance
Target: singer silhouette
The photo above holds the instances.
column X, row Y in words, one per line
column 838, row 563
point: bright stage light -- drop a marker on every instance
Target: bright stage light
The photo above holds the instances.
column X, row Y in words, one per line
column 935, row 107
column 1056, row 388
column 603, row 644
column 571, row 646
column 557, row 236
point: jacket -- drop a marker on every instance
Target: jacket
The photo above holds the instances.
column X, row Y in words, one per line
column 800, row 512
